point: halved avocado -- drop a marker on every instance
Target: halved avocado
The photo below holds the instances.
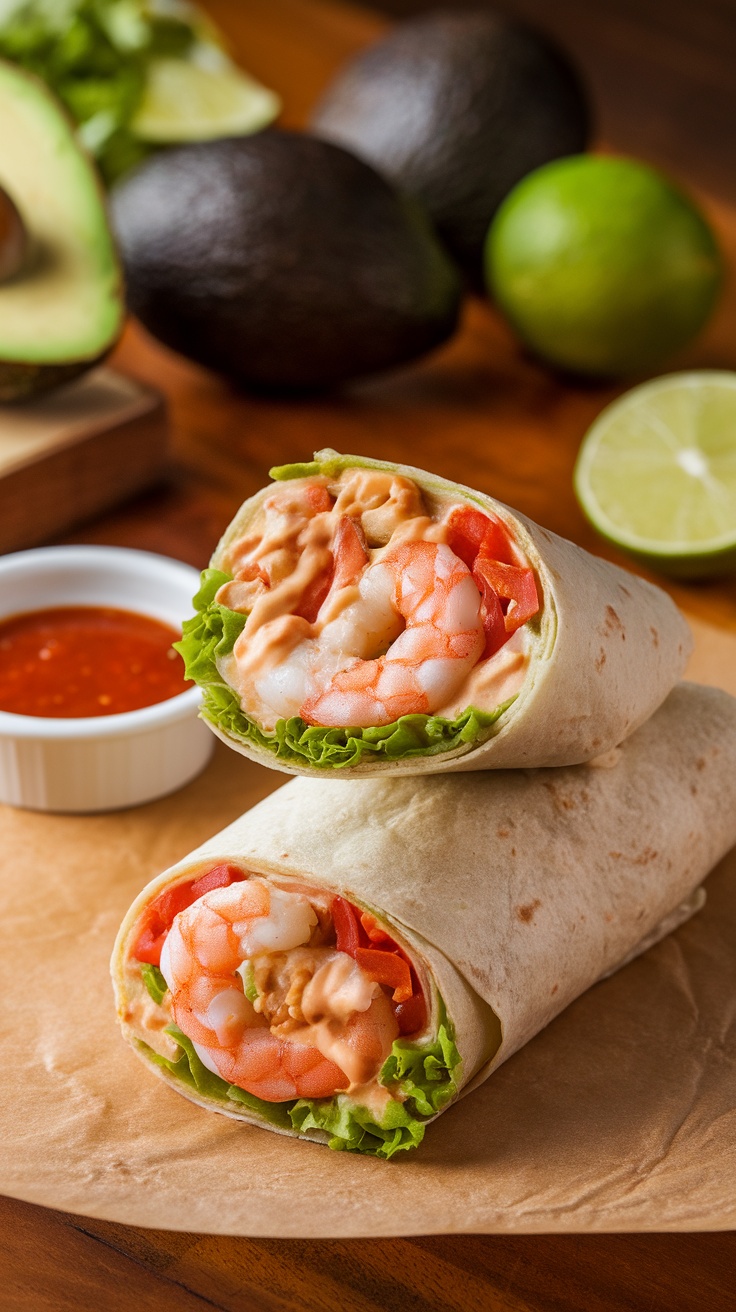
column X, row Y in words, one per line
column 62, row 310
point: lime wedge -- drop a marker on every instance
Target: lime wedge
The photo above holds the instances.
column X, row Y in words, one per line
column 656, row 473
column 200, row 98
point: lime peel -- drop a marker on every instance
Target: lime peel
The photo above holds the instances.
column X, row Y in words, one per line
column 656, row 473
column 602, row 265
column 188, row 100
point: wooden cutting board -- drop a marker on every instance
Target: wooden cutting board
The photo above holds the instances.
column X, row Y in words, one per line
column 75, row 452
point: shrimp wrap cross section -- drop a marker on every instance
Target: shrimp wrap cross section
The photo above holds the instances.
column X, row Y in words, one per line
column 361, row 617
column 341, row 964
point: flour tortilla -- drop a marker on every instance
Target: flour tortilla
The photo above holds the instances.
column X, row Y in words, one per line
column 607, row 651
column 515, row 891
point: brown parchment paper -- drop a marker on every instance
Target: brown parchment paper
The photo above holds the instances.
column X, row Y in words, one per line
column 620, row 1115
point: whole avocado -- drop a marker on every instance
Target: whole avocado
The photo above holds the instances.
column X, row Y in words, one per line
column 281, row 261
column 456, row 108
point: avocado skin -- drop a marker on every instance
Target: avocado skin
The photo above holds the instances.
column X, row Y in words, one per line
column 456, row 108
column 22, row 382
column 282, row 262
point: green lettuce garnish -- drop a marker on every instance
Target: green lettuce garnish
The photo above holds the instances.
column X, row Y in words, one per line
column 249, row 984
column 95, row 54
column 424, row 1076
column 353, row 1128
column 154, row 982
column 213, row 632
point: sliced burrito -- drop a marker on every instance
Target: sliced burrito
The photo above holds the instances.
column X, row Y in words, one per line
column 360, row 616
column 341, row 963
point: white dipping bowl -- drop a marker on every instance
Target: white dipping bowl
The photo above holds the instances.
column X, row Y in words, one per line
column 100, row 763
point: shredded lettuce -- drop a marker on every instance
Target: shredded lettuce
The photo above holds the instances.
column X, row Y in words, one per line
column 247, row 975
column 353, row 1128
column 423, row 1076
column 213, row 632
column 154, row 982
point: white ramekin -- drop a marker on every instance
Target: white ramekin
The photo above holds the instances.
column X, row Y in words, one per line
column 103, row 762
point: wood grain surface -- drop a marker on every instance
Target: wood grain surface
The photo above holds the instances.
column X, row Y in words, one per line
column 75, row 453
column 483, row 412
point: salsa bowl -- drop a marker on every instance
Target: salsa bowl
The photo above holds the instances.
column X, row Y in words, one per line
column 101, row 762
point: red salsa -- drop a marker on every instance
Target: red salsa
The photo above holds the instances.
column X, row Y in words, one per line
column 76, row 661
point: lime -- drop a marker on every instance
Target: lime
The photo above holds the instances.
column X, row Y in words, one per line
column 199, row 98
column 656, row 473
column 601, row 264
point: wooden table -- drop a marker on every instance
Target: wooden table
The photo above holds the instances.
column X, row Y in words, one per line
column 482, row 412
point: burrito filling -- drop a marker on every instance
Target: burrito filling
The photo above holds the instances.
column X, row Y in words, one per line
column 294, row 1004
column 357, row 615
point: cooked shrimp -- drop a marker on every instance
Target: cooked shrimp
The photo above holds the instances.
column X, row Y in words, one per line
column 428, row 588
column 308, row 1034
column 350, row 633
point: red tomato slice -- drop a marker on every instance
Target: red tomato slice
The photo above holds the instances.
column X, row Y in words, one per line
column 386, row 965
column 347, row 930
column 160, row 914
column 349, row 551
column 387, row 968
column 492, row 616
column 218, row 877
column 319, row 499
column 375, row 932
column 472, row 534
column 349, row 556
column 516, row 585
column 411, row 1015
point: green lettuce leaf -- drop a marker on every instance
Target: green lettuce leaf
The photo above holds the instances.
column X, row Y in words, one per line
column 424, row 1076
column 213, row 632
column 154, row 982
column 353, row 1128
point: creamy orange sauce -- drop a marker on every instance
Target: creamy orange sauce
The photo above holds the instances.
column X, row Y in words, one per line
column 148, row 1018
column 281, row 659
column 494, row 681
column 317, row 992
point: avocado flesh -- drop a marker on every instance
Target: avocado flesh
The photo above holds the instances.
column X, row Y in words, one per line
column 63, row 309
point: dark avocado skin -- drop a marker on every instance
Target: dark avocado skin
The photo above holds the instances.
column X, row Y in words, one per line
column 456, row 108
column 281, row 261
column 21, row 382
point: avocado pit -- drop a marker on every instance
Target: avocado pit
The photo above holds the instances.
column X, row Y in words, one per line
column 13, row 238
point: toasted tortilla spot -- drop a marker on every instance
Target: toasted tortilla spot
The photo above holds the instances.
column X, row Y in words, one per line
column 526, row 913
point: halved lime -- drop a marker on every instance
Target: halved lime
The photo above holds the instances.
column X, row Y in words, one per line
column 656, row 473
column 202, row 97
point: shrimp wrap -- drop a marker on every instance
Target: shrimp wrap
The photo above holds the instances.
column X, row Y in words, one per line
column 364, row 617
column 342, row 963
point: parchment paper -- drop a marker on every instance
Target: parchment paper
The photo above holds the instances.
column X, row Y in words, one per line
column 620, row 1115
